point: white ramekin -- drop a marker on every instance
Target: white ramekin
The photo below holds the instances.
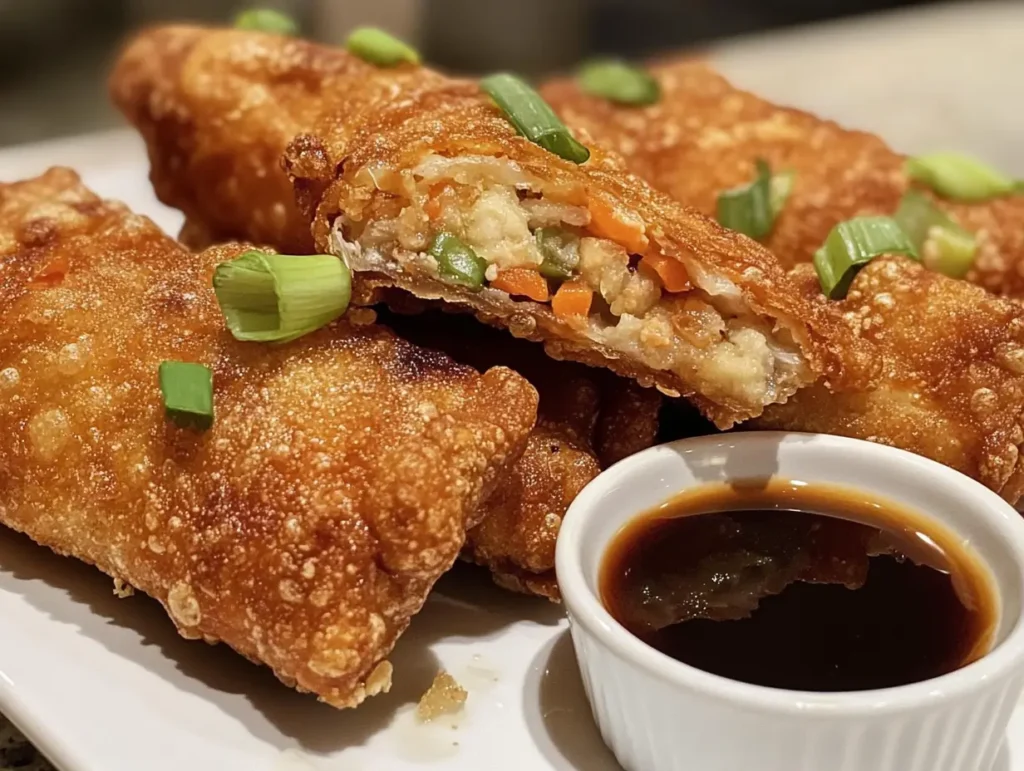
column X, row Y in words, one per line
column 658, row 714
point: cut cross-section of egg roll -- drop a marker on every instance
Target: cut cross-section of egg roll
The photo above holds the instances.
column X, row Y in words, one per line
column 422, row 183
column 703, row 136
column 306, row 525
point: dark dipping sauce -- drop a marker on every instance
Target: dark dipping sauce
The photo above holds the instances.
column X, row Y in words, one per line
column 804, row 587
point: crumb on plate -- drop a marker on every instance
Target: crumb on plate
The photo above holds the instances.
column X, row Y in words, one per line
column 444, row 697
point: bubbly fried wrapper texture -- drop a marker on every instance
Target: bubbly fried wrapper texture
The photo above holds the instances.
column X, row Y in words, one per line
column 368, row 149
column 704, row 136
column 588, row 419
column 307, row 525
column 932, row 365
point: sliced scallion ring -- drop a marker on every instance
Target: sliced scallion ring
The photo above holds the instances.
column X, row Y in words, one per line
column 561, row 251
column 267, row 20
column 533, row 117
column 187, row 390
column 381, row 48
column 748, row 209
column 943, row 245
column 853, row 244
column 779, row 188
column 619, row 82
column 275, row 297
column 950, row 251
column 457, row 262
column 959, row 177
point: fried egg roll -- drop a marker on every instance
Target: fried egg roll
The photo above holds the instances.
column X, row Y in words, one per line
column 588, row 419
column 704, row 135
column 306, row 526
column 389, row 163
column 933, row 365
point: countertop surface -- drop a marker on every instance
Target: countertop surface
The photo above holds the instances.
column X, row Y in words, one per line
column 928, row 78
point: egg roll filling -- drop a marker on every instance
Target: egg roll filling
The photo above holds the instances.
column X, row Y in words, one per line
column 497, row 232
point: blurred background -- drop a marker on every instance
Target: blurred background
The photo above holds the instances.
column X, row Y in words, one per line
column 923, row 74
column 54, row 53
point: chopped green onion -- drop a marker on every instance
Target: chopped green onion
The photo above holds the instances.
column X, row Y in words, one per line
column 853, row 244
column 275, row 297
column 267, row 20
column 187, row 389
column 943, row 244
column 950, row 251
column 533, row 117
column 561, row 251
column 748, row 209
column 378, row 47
column 779, row 189
column 619, row 82
column 959, row 177
column 457, row 261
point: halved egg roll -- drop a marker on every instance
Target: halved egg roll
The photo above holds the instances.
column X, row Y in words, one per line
column 702, row 136
column 932, row 365
column 422, row 183
column 306, row 525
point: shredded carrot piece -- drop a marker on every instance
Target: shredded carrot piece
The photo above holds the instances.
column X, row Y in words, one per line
column 433, row 206
column 623, row 227
column 52, row 273
column 523, row 282
column 572, row 300
column 672, row 273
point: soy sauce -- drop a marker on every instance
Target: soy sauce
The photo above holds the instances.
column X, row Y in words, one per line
column 804, row 587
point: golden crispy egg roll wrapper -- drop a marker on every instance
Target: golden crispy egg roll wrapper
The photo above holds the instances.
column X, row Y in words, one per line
column 704, row 135
column 932, row 365
column 232, row 189
column 384, row 159
column 307, row 525
column 588, row 419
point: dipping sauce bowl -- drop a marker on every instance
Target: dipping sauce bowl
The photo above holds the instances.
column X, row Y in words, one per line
column 659, row 714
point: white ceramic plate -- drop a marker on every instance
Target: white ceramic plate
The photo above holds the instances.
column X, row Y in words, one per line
column 102, row 684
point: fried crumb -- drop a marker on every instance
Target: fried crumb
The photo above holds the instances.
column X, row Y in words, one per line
column 444, row 697
column 122, row 590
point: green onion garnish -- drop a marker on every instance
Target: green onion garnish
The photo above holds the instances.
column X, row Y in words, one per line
column 533, row 117
column 853, row 244
column 950, row 251
column 276, row 297
column 267, row 20
column 779, row 189
column 959, row 177
column 749, row 209
column 620, row 82
column 187, row 389
column 378, row 47
column 561, row 251
column 943, row 244
column 457, row 261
